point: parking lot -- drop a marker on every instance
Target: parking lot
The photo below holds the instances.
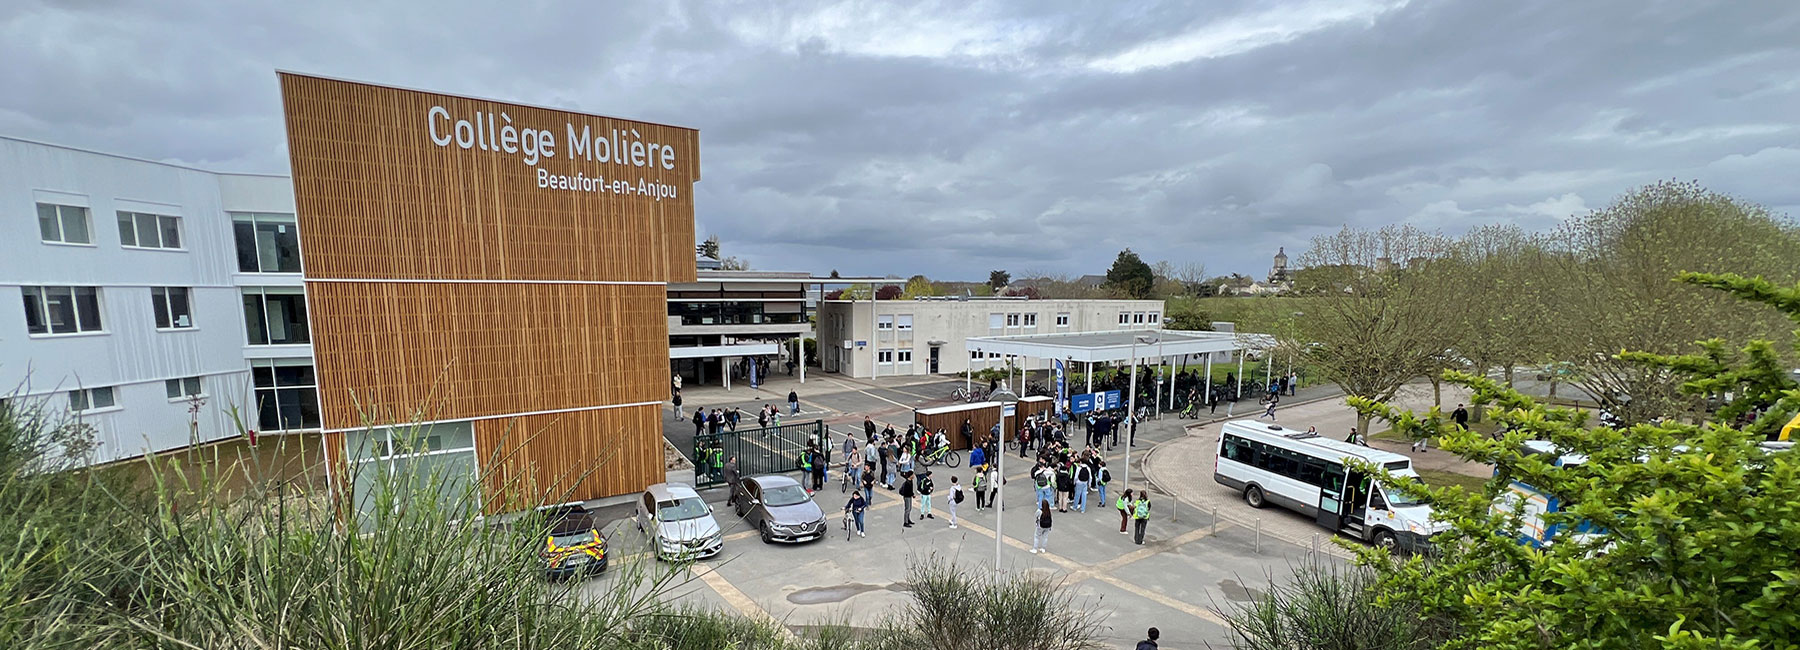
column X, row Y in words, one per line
column 1189, row 568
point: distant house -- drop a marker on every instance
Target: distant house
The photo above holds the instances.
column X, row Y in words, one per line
column 1091, row 281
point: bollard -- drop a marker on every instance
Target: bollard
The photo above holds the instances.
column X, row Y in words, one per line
column 1259, row 534
column 1215, row 522
column 1315, row 550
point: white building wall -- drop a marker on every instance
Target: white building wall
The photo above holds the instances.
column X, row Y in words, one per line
column 952, row 322
column 131, row 355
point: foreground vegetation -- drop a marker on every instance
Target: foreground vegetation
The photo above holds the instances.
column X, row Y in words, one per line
column 169, row 558
column 1695, row 525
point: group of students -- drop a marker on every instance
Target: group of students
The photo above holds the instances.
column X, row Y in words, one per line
column 1063, row 478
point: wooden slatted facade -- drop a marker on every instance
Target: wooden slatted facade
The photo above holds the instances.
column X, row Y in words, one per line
column 1032, row 406
column 446, row 283
column 982, row 416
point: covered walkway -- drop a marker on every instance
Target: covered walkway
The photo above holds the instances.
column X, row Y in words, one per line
column 1131, row 346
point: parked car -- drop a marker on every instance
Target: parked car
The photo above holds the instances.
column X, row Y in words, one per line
column 780, row 509
column 573, row 544
column 680, row 524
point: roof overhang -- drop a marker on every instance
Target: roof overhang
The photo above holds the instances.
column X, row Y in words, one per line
column 1117, row 346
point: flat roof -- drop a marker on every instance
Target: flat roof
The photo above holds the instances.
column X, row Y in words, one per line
column 957, row 408
column 1371, row 454
column 1116, row 345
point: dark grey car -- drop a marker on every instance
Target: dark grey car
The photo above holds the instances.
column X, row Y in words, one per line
column 780, row 509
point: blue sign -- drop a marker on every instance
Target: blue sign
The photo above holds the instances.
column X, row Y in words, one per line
column 1112, row 399
column 1081, row 403
column 1062, row 388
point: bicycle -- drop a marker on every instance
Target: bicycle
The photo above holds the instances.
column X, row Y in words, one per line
column 949, row 457
column 1191, row 412
column 844, row 485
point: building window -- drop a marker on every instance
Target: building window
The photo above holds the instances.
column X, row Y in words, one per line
column 287, row 395
column 1031, row 320
column 903, row 322
column 1138, row 317
column 884, row 323
column 1124, row 318
column 275, row 316
column 91, row 399
column 139, row 230
column 1154, row 318
column 1012, row 320
column 885, row 357
column 266, row 243
column 993, row 355
column 974, row 354
column 63, row 224
column 1062, row 319
column 996, row 321
column 183, row 388
column 903, row 356
column 172, row 307
column 61, row 310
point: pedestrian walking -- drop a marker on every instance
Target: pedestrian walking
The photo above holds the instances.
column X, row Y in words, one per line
column 1124, row 505
column 1140, row 515
column 868, row 427
column 1149, row 643
column 731, row 479
column 1083, row 475
column 762, row 417
column 1270, row 411
column 980, row 485
column 868, row 486
column 1040, row 540
column 818, row 470
column 1293, row 384
column 956, row 496
column 926, row 486
column 699, row 420
column 857, row 505
column 676, row 400
column 1102, row 477
column 852, row 463
column 793, row 403
column 906, row 497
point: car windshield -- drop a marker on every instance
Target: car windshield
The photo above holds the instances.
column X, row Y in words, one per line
column 785, row 495
column 680, row 509
column 1397, row 499
column 574, row 538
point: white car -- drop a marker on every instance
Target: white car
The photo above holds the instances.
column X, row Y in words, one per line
column 679, row 523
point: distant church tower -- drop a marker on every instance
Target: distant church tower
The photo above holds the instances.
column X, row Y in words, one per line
column 1280, row 274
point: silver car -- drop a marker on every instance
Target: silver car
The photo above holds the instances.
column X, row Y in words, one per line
column 680, row 524
column 780, row 509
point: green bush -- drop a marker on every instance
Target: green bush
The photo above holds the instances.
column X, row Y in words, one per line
column 1325, row 608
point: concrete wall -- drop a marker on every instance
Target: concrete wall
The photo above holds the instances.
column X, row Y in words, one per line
column 950, row 323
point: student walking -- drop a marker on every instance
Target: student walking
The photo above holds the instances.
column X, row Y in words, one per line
column 732, row 479
column 1040, row 540
column 925, row 488
column 699, row 420
column 1270, row 412
column 856, row 506
column 793, row 403
column 980, row 485
column 1140, row 515
column 956, row 496
column 1102, row 476
column 1124, row 506
column 906, row 497
column 868, row 486
column 852, row 463
column 1083, row 476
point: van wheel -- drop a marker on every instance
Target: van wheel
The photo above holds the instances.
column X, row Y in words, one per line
column 1384, row 539
column 1253, row 495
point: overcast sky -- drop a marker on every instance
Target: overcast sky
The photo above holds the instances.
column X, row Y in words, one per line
column 952, row 138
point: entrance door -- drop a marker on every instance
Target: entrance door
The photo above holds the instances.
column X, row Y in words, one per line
column 934, row 359
column 1331, row 499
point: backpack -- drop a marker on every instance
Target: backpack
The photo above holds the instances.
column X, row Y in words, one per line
column 1105, row 476
column 906, row 488
column 958, row 496
column 1082, row 475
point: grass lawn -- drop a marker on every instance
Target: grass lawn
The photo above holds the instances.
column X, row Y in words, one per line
column 1440, row 478
column 1484, row 427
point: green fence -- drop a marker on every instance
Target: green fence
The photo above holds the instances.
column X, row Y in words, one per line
column 769, row 450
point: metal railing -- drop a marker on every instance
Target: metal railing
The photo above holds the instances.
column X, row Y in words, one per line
column 768, row 450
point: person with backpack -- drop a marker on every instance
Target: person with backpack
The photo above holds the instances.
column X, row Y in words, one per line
column 906, row 497
column 1140, row 515
column 804, row 462
column 1102, row 477
column 1045, row 480
column 925, row 489
column 699, row 420
column 818, row 469
column 856, row 507
column 1040, row 540
column 1065, row 485
column 793, row 403
column 1083, row 475
column 980, row 485
column 956, row 496
column 890, row 462
column 1124, row 506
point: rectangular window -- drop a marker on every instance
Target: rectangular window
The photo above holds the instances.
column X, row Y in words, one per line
column 287, row 394
column 903, row 322
column 172, row 307
column 140, row 230
column 884, row 322
column 1012, row 320
column 903, row 356
column 90, row 399
column 1062, row 319
column 61, row 310
column 63, row 224
column 1137, row 317
column 266, row 243
column 1155, row 318
column 885, row 357
column 1031, row 320
column 183, row 388
column 974, row 354
column 275, row 316
column 1124, row 318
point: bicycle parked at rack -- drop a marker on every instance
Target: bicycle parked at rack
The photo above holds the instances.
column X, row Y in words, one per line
column 968, row 395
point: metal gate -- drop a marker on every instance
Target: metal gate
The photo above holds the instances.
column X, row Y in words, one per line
column 769, row 450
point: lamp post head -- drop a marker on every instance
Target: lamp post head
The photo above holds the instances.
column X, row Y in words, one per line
column 1003, row 395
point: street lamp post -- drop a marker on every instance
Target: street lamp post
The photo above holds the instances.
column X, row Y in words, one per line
column 1131, row 409
column 1007, row 399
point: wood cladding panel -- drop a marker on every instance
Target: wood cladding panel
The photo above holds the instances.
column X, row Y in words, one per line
column 574, row 456
column 396, row 351
column 982, row 417
column 378, row 198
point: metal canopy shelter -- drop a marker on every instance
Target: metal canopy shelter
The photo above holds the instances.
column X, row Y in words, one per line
column 1097, row 347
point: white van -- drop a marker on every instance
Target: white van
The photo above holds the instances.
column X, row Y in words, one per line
column 1305, row 472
